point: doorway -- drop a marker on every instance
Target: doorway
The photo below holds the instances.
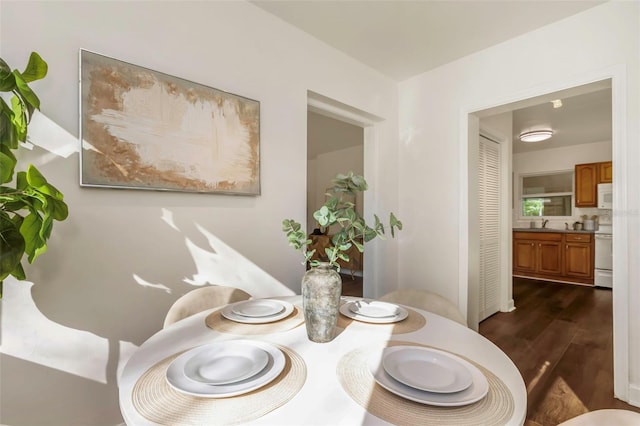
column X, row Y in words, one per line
column 614, row 80
column 333, row 146
column 369, row 126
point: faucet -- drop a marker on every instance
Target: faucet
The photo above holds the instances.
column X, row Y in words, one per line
column 544, row 222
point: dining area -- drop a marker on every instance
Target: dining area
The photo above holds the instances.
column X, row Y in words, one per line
column 253, row 361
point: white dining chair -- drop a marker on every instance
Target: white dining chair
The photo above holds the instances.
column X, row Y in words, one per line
column 426, row 300
column 602, row 417
column 202, row 299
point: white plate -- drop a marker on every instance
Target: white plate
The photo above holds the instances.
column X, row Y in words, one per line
column 374, row 308
column 222, row 363
column 426, row 369
column 176, row 378
column 346, row 310
column 475, row 392
column 257, row 308
column 228, row 313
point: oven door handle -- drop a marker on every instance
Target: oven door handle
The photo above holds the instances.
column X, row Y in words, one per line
column 604, row 236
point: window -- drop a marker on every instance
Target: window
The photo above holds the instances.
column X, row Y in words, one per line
column 548, row 194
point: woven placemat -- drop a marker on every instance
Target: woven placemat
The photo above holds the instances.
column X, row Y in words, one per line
column 157, row 401
column 413, row 322
column 216, row 321
column 356, row 379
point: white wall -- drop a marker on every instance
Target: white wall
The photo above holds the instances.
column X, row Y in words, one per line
column 326, row 167
column 123, row 256
column 594, row 45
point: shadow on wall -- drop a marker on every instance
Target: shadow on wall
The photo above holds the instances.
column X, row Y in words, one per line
column 72, row 337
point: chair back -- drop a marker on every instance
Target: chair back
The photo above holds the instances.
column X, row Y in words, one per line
column 202, row 299
column 607, row 416
column 426, row 300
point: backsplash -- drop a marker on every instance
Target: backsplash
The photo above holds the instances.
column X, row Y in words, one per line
column 604, row 217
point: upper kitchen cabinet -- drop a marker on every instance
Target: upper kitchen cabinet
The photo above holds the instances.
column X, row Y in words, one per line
column 605, row 172
column 587, row 177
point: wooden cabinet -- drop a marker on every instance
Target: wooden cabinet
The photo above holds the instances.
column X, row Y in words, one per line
column 587, row 178
column 550, row 257
column 537, row 253
column 579, row 255
column 554, row 256
column 605, row 172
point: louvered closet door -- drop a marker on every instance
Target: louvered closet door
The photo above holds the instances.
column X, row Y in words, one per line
column 489, row 212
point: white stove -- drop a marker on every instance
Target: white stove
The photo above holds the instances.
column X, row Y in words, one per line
column 603, row 274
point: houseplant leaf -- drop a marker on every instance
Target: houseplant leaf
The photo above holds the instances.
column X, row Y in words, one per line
column 36, row 68
column 30, row 230
column 12, row 246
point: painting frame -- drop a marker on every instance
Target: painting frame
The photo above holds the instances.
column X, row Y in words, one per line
column 144, row 129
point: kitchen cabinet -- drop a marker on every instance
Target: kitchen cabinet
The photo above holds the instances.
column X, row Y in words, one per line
column 586, row 181
column 554, row 256
column 537, row 253
column 579, row 256
column 587, row 178
column 605, row 172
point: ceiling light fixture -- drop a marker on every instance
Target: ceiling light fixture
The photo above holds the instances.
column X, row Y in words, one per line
column 557, row 103
column 536, row 135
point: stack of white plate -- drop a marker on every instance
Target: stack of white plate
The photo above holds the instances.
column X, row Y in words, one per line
column 429, row 376
column 373, row 311
column 257, row 311
column 224, row 369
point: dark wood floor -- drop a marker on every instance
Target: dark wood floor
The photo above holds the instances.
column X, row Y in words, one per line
column 561, row 339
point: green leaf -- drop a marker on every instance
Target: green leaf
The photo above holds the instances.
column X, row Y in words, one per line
column 59, row 210
column 34, row 177
column 394, row 223
column 19, row 272
column 8, row 133
column 36, row 68
column 7, row 166
column 25, row 92
column 7, row 80
column 19, row 120
column 12, row 246
column 30, row 230
column 38, row 181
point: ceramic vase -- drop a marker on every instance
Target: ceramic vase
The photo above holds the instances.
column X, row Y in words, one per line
column 321, row 289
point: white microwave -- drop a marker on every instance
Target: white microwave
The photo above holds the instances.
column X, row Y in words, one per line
column 605, row 196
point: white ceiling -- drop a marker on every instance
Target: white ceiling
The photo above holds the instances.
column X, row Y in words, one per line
column 402, row 39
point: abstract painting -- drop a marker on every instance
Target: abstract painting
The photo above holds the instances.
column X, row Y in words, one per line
column 143, row 129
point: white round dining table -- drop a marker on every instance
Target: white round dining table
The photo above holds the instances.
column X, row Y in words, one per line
column 322, row 378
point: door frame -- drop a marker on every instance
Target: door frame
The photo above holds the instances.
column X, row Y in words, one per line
column 370, row 124
column 468, row 123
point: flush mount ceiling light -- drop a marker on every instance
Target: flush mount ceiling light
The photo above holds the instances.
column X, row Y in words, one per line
column 536, row 136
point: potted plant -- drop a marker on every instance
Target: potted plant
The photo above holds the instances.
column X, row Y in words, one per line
column 321, row 284
column 28, row 204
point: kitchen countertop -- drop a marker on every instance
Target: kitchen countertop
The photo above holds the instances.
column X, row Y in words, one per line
column 564, row 231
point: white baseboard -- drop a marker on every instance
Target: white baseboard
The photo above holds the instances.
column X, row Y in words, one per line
column 634, row 395
column 511, row 306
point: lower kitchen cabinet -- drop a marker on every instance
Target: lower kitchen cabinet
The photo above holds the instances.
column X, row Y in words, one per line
column 537, row 253
column 555, row 256
column 579, row 256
